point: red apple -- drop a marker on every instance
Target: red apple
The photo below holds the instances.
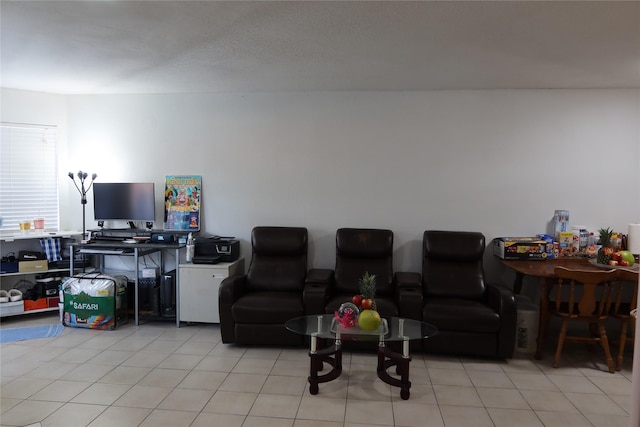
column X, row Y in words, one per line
column 616, row 256
column 613, row 262
column 366, row 304
column 624, row 263
column 357, row 300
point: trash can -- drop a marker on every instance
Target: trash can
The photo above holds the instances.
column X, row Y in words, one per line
column 526, row 328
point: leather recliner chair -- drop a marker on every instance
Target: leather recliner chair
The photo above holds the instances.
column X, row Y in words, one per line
column 254, row 307
column 359, row 250
column 473, row 317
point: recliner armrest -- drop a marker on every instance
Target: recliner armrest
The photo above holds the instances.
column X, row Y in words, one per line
column 231, row 289
column 408, row 280
column 408, row 288
column 319, row 276
column 503, row 302
column 316, row 290
column 501, row 299
column 314, row 297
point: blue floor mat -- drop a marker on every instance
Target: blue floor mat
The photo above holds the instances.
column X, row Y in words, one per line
column 21, row 334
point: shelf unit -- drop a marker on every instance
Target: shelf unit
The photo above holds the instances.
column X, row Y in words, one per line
column 16, row 241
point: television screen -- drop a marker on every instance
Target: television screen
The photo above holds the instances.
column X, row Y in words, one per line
column 129, row 201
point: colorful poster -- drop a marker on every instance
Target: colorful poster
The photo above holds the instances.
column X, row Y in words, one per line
column 182, row 203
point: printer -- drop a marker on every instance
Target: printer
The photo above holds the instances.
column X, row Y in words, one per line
column 216, row 249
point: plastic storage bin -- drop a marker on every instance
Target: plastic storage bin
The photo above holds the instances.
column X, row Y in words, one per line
column 94, row 301
column 526, row 327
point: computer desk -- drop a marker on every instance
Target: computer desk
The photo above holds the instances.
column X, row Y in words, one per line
column 103, row 248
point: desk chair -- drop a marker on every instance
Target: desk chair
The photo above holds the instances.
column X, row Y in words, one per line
column 589, row 301
column 622, row 309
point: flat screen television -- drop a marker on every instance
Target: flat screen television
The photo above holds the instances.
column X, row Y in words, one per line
column 126, row 201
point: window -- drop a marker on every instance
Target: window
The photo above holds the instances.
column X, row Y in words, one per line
column 28, row 175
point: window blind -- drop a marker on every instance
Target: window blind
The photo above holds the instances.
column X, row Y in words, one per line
column 28, row 175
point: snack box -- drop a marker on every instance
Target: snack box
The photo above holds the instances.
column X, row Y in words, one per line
column 550, row 244
column 520, row 248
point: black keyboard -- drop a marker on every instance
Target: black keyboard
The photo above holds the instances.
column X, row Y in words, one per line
column 108, row 239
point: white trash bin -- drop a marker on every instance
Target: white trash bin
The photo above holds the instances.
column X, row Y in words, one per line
column 526, row 328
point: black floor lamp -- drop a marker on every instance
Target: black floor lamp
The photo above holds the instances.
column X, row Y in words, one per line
column 82, row 176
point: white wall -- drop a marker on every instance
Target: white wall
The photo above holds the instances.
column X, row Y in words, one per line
column 498, row 162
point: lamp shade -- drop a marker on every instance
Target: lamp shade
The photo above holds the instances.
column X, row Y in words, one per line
column 633, row 239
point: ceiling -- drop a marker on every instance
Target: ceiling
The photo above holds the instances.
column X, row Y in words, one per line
column 105, row 47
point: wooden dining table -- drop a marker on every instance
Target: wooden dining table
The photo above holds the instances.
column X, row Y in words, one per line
column 545, row 271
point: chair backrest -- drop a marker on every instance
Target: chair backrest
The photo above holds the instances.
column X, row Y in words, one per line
column 452, row 264
column 584, row 294
column 626, row 297
column 360, row 250
column 279, row 259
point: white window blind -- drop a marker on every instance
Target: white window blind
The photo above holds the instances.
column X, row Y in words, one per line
column 28, row 175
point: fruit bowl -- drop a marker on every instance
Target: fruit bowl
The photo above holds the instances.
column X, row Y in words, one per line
column 336, row 327
column 595, row 262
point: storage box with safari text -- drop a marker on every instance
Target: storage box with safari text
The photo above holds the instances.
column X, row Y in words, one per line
column 520, row 248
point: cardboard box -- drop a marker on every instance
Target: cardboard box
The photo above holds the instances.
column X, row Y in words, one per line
column 35, row 305
column 550, row 244
column 520, row 248
column 560, row 222
column 33, row 266
column 7, row 308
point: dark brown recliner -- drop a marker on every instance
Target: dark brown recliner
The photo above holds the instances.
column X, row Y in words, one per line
column 473, row 317
column 360, row 250
column 254, row 307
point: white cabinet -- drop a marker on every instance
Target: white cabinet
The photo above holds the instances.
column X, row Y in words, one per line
column 199, row 285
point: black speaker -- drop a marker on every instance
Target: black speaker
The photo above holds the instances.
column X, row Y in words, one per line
column 168, row 293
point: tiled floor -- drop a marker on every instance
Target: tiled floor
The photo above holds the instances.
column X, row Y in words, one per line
column 159, row 375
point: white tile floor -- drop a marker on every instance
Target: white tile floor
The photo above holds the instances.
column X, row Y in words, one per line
column 158, row 375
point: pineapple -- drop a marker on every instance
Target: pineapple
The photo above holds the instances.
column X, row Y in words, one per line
column 368, row 288
column 604, row 253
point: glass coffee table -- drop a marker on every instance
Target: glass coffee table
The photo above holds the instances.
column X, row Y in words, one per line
column 392, row 329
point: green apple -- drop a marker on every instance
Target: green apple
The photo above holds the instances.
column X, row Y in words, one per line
column 369, row 320
column 627, row 256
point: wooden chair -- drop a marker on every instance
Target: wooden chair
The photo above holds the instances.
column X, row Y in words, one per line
column 627, row 284
column 589, row 301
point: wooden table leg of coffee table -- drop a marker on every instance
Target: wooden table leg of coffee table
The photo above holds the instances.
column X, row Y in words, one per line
column 388, row 358
column 330, row 355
